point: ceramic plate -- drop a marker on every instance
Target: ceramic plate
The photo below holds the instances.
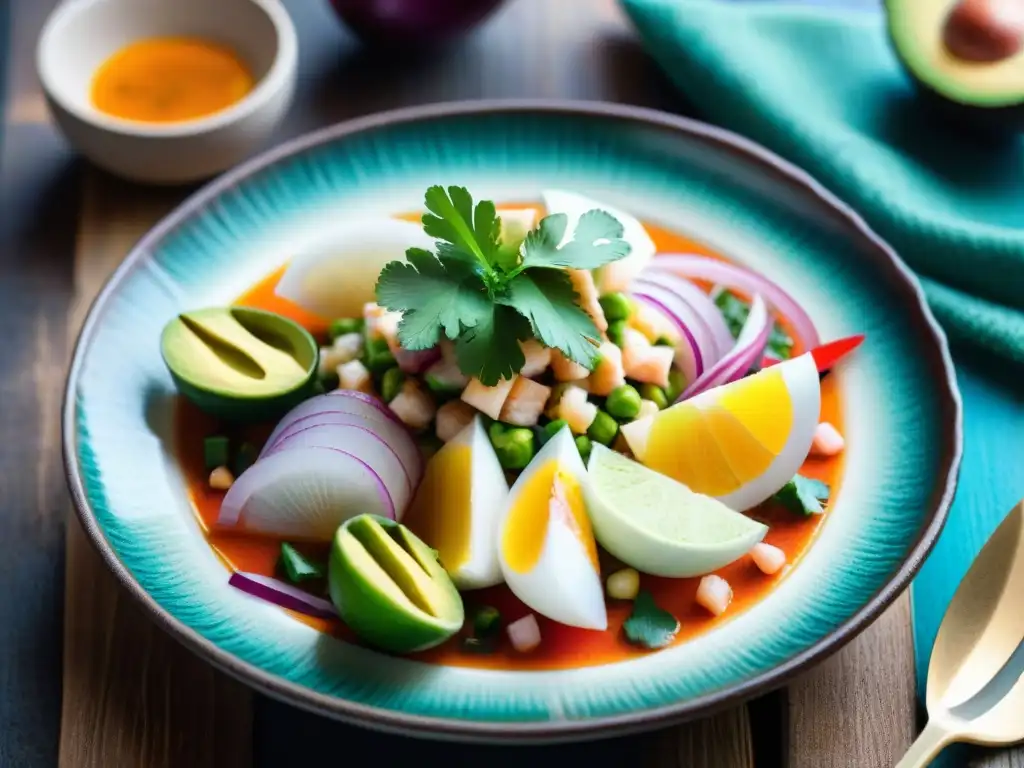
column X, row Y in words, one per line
column 902, row 409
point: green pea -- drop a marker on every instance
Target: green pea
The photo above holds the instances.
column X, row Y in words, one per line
column 617, row 332
column 377, row 355
column 216, row 450
column 344, row 325
column 616, row 306
column 486, row 621
column 553, row 428
column 623, row 402
column 391, row 384
column 655, row 394
column 603, row 429
column 676, row 385
column 514, row 447
column 495, row 430
column 663, row 341
column 584, row 446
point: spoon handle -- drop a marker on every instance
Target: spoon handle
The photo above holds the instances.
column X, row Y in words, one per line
column 931, row 741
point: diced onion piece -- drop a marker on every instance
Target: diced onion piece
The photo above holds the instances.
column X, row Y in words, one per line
column 525, row 402
column 413, row 406
column 354, row 375
column 282, row 594
column 565, row 369
column 452, row 418
column 647, row 408
column 739, row 278
column 486, row 399
column 221, row 479
column 634, row 344
column 524, row 633
column 538, row 357
column 578, row 413
column 304, row 493
column 414, row 362
column 583, row 283
column 827, row 441
column 608, row 373
column 623, row 585
column 693, row 342
column 714, row 594
column 767, row 558
column 651, row 365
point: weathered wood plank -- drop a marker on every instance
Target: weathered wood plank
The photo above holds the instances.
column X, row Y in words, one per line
column 132, row 696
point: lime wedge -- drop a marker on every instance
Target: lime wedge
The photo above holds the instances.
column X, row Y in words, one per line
column 658, row 525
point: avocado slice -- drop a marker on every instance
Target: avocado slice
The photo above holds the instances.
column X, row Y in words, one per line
column 967, row 56
column 239, row 363
column 389, row 587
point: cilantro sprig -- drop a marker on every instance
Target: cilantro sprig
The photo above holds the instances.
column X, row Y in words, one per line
column 649, row 625
column 803, row 495
column 487, row 297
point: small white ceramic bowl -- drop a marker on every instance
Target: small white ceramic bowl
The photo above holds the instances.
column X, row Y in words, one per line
column 81, row 34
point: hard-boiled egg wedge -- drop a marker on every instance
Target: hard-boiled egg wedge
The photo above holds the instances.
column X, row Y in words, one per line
column 619, row 274
column 740, row 442
column 335, row 276
column 546, row 547
column 458, row 505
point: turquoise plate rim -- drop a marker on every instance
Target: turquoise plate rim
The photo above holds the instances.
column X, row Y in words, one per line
column 781, row 171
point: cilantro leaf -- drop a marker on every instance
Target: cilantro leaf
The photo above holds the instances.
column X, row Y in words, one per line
column 735, row 312
column 297, row 567
column 547, row 299
column 454, row 220
column 595, row 242
column 432, row 296
column 802, row 495
column 650, row 626
column 490, row 348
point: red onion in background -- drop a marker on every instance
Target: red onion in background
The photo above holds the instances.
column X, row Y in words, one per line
column 386, row 22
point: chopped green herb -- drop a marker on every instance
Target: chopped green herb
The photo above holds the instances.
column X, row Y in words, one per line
column 345, row 325
column 603, row 429
column 487, row 300
column 377, row 355
column 245, row 458
column 391, row 384
column 216, row 450
column 735, row 312
column 297, row 567
column 650, row 626
column 802, row 495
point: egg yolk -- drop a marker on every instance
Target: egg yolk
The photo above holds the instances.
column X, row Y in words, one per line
column 703, row 467
column 551, row 490
column 746, row 457
column 747, row 399
column 441, row 512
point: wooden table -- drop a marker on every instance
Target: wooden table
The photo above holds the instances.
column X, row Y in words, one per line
column 128, row 695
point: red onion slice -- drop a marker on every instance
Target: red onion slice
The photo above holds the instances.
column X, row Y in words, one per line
column 304, row 493
column 689, row 357
column 744, row 355
column 702, row 304
column 282, row 594
column 740, row 278
column 360, row 441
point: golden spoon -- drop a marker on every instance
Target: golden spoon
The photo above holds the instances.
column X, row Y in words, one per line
column 975, row 685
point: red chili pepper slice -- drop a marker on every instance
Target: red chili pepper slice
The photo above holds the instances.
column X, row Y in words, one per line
column 827, row 355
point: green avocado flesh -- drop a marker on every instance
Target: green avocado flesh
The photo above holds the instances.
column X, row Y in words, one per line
column 389, row 588
column 917, row 29
column 238, row 362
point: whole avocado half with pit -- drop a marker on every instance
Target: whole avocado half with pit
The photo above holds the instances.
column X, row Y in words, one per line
column 966, row 57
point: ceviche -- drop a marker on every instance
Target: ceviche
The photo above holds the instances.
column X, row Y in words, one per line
column 533, row 436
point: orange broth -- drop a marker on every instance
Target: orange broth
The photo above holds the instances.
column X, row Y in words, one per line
column 562, row 647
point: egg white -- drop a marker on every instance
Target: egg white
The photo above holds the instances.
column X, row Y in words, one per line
column 562, row 585
column 488, row 496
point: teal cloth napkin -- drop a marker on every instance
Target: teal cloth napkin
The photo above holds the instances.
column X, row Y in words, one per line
column 822, row 88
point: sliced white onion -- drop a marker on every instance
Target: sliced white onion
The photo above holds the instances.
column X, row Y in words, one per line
column 304, row 493
column 282, row 594
column 731, row 276
column 360, row 441
column 744, row 355
column 702, row 304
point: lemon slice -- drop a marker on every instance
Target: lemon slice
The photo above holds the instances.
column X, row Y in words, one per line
column 740, row 442
column 659, row 526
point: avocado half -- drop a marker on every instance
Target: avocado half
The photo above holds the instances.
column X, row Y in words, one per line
column 966, row 56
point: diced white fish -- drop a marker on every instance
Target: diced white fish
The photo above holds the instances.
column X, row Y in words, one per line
column 576, row 410
column 566, row 369
column 452, row 418
column 354, row 375
column 413, row 406
column 651, row 365
column 525, row 402
column 538, row 357
column 827, row 441
column 608, row 373
column 583, row 283
column 486, row 399
column 714, row 594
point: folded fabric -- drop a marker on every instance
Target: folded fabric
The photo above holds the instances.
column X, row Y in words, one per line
column 821, row 86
